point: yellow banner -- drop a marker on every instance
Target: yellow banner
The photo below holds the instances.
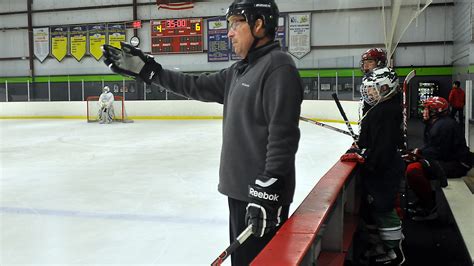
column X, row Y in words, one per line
column 59, row 42
column 78, row 37
column 97, row 35
column 116, row 34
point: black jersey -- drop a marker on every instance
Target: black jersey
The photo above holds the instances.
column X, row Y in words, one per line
column 444, row 141
column 380, row 134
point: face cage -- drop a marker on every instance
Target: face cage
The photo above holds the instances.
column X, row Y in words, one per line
column 373, row 98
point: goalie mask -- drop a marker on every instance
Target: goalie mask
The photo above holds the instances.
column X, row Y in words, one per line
column 252, row 10
column 376, row 54
column 437, row 106
column 379, row 85
column 106, row 89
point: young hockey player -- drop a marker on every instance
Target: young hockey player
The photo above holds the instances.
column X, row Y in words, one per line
column 382, row 167
column 106, row 106
column 443, row 155
column 373, row 58
column 261, row 96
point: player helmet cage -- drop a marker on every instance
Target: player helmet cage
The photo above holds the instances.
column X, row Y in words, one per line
column 437, row 106
column 379, row 85
column 377, row 54
column 252, row 10
column 106, row 89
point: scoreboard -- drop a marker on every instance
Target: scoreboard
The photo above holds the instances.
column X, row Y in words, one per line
column 175, row 36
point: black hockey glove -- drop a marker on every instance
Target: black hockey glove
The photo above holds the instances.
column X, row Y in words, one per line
column 131, row 61
column 264, row 209
column 354, row 155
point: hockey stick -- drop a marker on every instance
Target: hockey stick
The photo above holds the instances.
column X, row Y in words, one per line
column 343, row 114
column 405, row 107
column 233, row 246
column 325, row 126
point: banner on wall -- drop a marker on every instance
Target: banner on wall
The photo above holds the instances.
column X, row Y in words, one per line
column 116, row 33
column 78, row 39
column 59, row 43
column 217, row 40
column 174, row 4
column 41, row 43
column 97, row 34
column 281, row 34
column 300, row 34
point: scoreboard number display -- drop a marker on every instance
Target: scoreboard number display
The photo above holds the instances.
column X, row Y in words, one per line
column 176, row 36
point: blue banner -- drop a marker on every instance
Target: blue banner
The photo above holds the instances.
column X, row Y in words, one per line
column 217, row 40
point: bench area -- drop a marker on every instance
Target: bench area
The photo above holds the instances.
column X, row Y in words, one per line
column 460, row 199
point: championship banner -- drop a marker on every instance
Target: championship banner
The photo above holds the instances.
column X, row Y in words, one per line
column 41, row 43
column 300, row 34
column 97, row 34
column 116, row 33
column 281, row 34
column 78, row 39
column 59, row 42
column 174, row 4
column 217, row 40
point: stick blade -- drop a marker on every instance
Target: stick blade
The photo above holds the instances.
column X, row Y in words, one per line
column 410, row 76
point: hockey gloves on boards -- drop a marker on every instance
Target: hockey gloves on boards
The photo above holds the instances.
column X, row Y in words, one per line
column 131, row 61
column 354, row 155
column 264, row 209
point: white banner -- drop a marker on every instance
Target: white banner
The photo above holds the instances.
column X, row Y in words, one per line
column 300, row 34
column 41, row 43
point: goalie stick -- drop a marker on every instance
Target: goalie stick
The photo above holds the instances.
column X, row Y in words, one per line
column 405, row 107
column 325, row 126
column 233, row 246
column 343, row 114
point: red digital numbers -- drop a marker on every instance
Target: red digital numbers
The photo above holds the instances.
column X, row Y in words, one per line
column 176, row 23
column 173, row 36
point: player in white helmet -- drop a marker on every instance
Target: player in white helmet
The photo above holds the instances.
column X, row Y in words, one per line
column 382, row 167
column 106, row 106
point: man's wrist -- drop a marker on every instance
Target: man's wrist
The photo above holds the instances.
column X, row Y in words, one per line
column 150, row 70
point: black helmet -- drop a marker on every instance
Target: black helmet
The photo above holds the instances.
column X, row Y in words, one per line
column 252, row 10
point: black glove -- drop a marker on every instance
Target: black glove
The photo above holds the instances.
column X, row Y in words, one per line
column 131, row 61
column 264, row 209
column 354, row 155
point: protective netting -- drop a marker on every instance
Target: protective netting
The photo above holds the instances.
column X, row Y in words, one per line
column 397, row 17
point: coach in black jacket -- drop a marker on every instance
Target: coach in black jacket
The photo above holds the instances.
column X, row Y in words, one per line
column 261, row 96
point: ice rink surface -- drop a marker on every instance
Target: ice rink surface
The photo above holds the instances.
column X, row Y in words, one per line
column 143, row 193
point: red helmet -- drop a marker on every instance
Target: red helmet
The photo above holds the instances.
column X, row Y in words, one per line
column 436, row 105
column 377, row 54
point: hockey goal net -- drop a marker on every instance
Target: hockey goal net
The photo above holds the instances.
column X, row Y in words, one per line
column 119, row 109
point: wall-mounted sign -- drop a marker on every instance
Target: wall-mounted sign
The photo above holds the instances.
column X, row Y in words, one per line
column 217, row 40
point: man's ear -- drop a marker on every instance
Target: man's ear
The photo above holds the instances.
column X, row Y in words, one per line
column 259, row 28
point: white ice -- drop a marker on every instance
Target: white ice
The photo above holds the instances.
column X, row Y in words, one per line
column 143, row 193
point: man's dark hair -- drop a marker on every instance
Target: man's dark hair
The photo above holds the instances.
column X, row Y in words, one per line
column 457, row 83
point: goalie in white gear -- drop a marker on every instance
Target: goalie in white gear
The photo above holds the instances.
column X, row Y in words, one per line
column 106, row 106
